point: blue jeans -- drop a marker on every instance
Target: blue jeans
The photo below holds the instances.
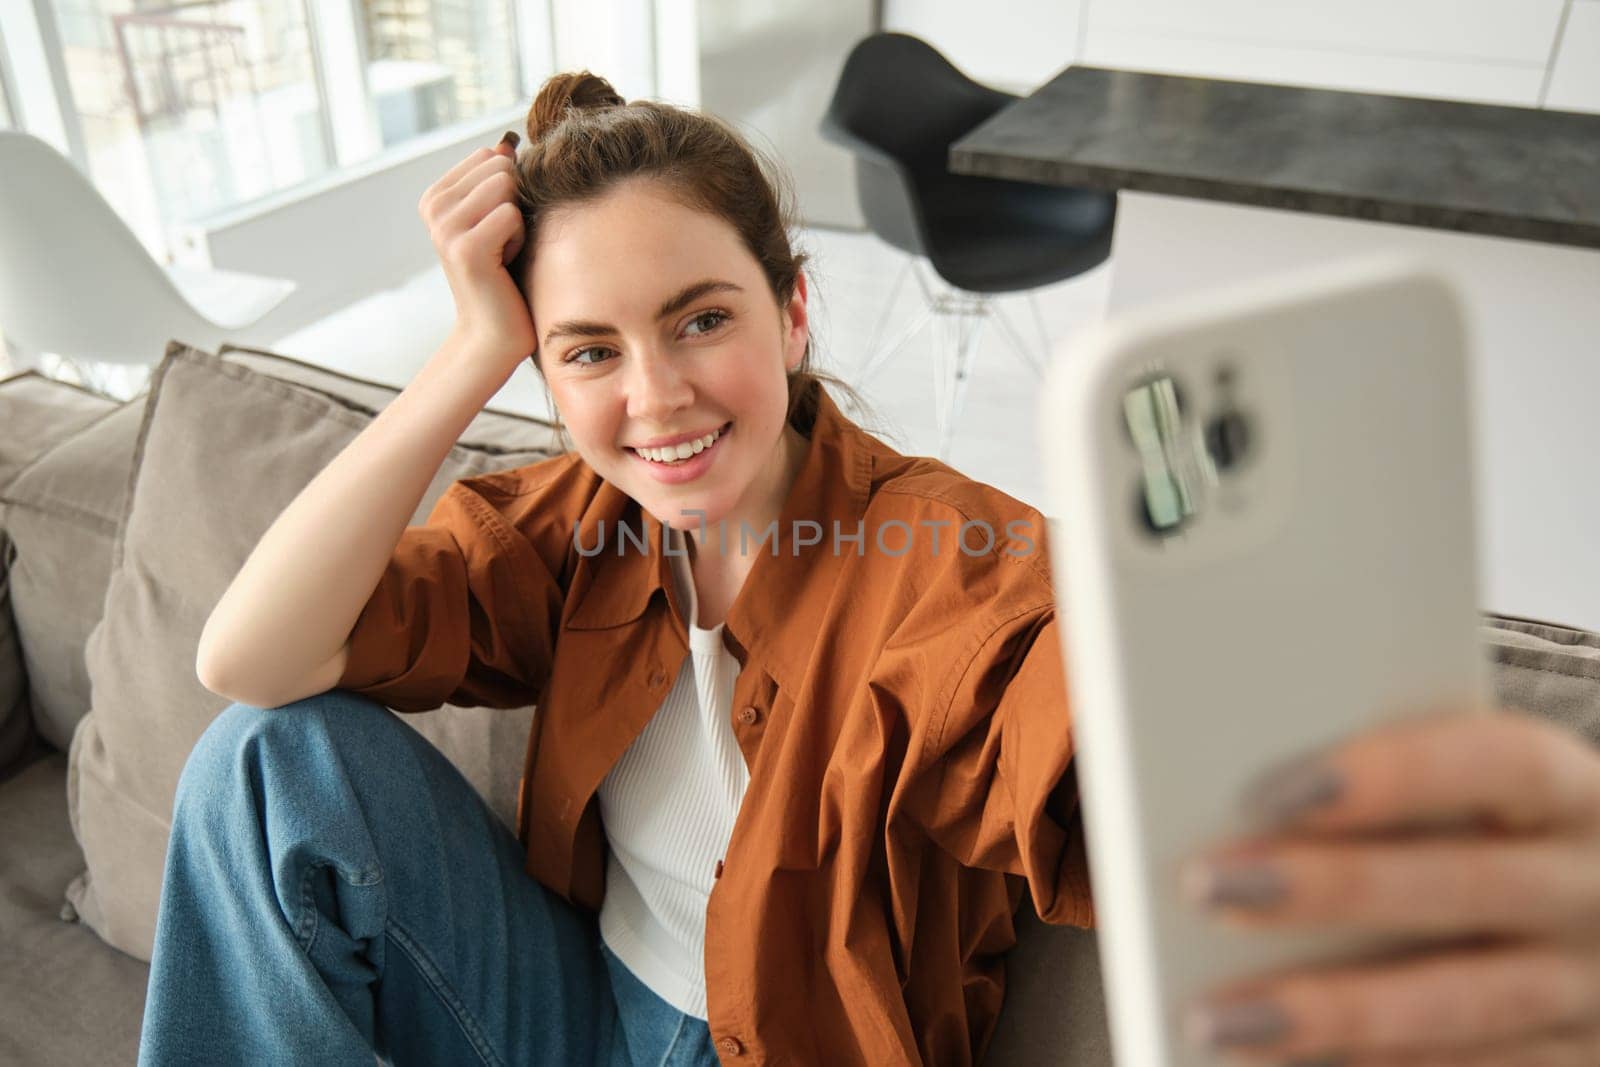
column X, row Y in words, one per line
column 336, row 890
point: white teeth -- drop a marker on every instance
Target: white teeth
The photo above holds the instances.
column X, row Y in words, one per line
column 682, row 451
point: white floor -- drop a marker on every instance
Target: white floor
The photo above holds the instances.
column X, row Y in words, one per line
column 388, row 336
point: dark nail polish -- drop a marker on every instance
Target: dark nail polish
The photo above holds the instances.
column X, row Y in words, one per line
column 511, row 139
column 1292, row 791
column 1256, row 1022
column 1235, row 884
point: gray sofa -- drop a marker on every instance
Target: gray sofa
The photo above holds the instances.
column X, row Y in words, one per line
column 121, row 523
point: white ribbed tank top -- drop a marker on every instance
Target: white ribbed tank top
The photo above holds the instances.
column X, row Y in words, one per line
column 668, row 807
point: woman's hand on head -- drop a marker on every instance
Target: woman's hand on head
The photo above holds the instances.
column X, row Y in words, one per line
column 476, row 228
column 1478, row 833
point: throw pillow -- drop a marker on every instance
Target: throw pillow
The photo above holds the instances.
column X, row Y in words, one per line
column 38, row 414
column 223, row 449
column 62, row 514
column 16, row 731
column 1547, row 668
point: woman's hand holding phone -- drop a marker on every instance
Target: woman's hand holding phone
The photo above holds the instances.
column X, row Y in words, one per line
column 476, row 227
column 1480, row 832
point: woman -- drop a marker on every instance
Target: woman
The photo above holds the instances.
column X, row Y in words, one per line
column 782, row 812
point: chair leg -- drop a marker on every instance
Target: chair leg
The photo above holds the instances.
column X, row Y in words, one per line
column 874, row 357
column 115, row 380
column 967, row 328
column 888, row 353
column 1038, row 322
column 1014, row 339
column 61, row 368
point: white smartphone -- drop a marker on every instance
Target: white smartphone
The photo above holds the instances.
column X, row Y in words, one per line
column 1262, row 540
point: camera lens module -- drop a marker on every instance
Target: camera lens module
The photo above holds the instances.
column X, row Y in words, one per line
column 1228, row 439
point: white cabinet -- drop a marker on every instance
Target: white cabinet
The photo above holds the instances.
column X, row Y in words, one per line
column 1491, row 51
column 1575, row 79
column 1512, row 31
column 1485, row 51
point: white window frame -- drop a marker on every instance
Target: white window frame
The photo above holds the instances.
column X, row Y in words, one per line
column 536, row 43
column 38, row 94
column 8, row 91
column 339, row 63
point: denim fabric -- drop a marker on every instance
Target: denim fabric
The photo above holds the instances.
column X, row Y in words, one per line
column 335, row 889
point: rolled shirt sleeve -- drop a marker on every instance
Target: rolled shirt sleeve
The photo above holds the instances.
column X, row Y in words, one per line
column 1003, row 788
column 462, row 614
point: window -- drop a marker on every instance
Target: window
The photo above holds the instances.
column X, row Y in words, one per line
column 187, row 109
column 431, row 63
column 183, row 110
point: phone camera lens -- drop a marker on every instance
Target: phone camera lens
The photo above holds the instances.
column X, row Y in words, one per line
column 1158, row 400
column 1228, row 439
column 1153, row 516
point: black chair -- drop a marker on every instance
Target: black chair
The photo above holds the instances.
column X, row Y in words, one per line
column 898, row 107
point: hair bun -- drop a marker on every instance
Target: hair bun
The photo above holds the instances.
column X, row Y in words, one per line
column 561, row 93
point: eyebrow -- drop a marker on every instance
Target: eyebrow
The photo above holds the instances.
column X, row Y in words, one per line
column 682, row 299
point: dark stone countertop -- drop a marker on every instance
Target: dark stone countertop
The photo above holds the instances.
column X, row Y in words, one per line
column 1476, row 168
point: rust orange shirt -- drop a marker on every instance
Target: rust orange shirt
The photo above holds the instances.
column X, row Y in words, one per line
column 901, row 705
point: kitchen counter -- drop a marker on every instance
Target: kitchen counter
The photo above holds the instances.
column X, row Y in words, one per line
column 1472, row 168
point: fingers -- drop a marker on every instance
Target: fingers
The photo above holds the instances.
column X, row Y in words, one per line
column 1459, row 1000
column 1506, row 769
column 464, row 234
column 455, row 173
column 503, row 228
column 1565, row 1048
column 1427, row 886
column 445, row 195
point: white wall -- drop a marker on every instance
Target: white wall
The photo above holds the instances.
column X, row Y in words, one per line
column 1575, row 74
column 1531, row 305
column 1014, row 46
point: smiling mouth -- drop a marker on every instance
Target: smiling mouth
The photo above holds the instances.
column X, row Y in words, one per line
column 715, row 435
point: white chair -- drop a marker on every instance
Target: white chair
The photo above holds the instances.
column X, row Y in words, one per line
column 77, row 285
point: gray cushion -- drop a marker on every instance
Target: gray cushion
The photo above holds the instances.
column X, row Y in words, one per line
column 37, row 414
column 1547, row 668
column 16, row 728
column 222, row 451
column 62, row 514
column 65, row 997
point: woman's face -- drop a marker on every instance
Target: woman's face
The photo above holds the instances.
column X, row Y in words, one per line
column 655, row 322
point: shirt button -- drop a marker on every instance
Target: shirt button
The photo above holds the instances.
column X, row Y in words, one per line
column 729, row 1046
column 749, row 715
column 657, row 679
column 718, row 872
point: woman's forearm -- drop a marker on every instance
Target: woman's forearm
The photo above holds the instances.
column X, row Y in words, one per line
column 280, row 632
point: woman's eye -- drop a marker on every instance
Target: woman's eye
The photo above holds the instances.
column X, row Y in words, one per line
column 710, row 319
column 717, row 318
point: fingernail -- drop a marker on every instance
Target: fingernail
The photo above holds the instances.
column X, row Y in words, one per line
column 1253, row 1022
column 511, row 139
column 1292, row 791
column 1236, row 884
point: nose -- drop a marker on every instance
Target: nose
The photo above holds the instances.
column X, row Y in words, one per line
column 657, row 388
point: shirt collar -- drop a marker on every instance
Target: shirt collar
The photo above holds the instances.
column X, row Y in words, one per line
column 830, row 491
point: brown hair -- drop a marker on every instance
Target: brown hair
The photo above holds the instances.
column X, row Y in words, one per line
column 584, row 139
